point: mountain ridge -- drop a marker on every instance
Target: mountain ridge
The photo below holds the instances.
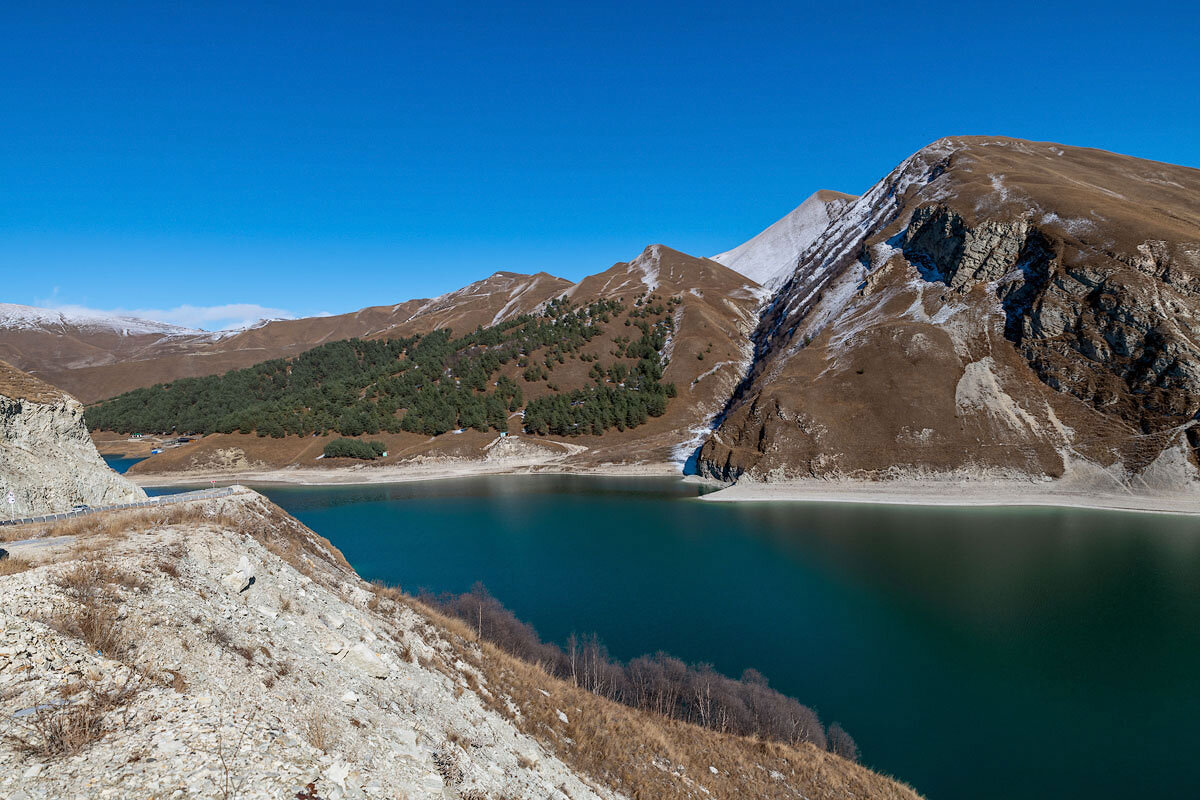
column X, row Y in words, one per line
column 986, row 290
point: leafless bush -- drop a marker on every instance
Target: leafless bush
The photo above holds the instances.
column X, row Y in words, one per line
column 841, row 743
column 56, row 731
column 659, row 683
column 318, row 731
column 69, row 726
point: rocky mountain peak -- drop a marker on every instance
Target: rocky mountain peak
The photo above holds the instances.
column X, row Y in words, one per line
column 992, row 306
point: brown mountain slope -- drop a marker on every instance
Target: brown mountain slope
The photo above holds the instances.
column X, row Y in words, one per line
column 992, row 307
column 706, row 354
column 97, row 362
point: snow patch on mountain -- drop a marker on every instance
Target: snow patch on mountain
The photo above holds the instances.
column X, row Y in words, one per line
column 19, row 317
column 770, row 257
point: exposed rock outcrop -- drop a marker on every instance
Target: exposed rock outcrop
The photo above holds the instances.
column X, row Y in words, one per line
column 993, row 308
column 47, row 460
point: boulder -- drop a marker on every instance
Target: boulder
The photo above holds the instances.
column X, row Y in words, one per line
column 242, row 578
column 361, row 657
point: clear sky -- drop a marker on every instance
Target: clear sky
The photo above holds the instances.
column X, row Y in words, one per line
column 320, row 157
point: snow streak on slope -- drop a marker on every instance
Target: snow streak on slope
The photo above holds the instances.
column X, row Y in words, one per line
column 770, row 257
column 18, row 317
column 840, row 242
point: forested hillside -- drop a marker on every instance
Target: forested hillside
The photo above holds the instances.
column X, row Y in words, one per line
column 434, row 383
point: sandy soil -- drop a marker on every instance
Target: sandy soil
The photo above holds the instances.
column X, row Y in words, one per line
column 399, row 473
column 910, row 492
column 947, row 493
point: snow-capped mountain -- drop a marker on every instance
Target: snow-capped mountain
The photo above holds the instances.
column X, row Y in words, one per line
column 19, row 317
column 771, row 256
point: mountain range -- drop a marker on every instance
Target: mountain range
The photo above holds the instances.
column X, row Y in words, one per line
column 991, row 308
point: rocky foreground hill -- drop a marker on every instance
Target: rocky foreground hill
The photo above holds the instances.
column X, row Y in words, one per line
column 220, row 649
column 47, row 460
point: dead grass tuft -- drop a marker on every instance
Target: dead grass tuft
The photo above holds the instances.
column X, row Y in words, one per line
column 79, row 720
column 14, row 564
column 59, row 731
column 95, row 624
column 319, row 731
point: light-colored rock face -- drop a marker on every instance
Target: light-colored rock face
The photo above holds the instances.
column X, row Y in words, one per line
column 47, row 460
column 992, row 308
column 281, row 682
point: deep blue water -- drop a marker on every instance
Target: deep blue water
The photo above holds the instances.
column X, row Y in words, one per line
column 120, row 463
column 975, row 653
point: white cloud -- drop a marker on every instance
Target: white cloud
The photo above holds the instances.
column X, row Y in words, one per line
column 211, row 318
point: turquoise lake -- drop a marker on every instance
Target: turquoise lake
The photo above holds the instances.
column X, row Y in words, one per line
column 974, row 653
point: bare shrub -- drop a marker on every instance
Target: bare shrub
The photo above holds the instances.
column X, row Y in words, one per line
column 690, row 693
column 57, row 731
column 841, row 743
column 69, row 726
column 318, row 731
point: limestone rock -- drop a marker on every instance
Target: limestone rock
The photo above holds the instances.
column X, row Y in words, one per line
column 361, row 657
column 47, row 459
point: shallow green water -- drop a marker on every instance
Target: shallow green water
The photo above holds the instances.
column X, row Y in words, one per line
column 975, row 653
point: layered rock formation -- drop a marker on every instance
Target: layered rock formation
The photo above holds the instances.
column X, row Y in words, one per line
column 47, row 460
column 992, row 307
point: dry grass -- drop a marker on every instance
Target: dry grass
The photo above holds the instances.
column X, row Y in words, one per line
column 79, row 720
column 620, row 746
column 319, row 731
column 95, row 625
column 94, row 618
column 95, row 578
column 14, row 564
column 59, row 731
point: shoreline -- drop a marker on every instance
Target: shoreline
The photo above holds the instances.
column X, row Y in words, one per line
column 932, row 494
column 947, row 494
column 370, row 476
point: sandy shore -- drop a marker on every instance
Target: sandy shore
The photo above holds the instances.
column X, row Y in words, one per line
column 915, row 493
column 348, row 476
column 947, row 493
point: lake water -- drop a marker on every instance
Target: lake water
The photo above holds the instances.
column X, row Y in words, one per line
column 120, row 463
column 974, row 653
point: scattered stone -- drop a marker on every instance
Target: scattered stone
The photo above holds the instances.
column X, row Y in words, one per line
column 363, row 658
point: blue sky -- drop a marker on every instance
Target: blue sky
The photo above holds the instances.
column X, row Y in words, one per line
column 309, row 157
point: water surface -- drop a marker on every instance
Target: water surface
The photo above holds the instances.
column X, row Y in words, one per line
column 120, row 463
column 975, row 653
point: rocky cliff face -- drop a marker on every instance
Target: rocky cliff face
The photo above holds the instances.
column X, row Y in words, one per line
column 992, row 307
column 47, row 460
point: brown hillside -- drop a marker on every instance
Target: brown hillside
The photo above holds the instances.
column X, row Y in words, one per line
column 96, row 364
column 992, row 306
